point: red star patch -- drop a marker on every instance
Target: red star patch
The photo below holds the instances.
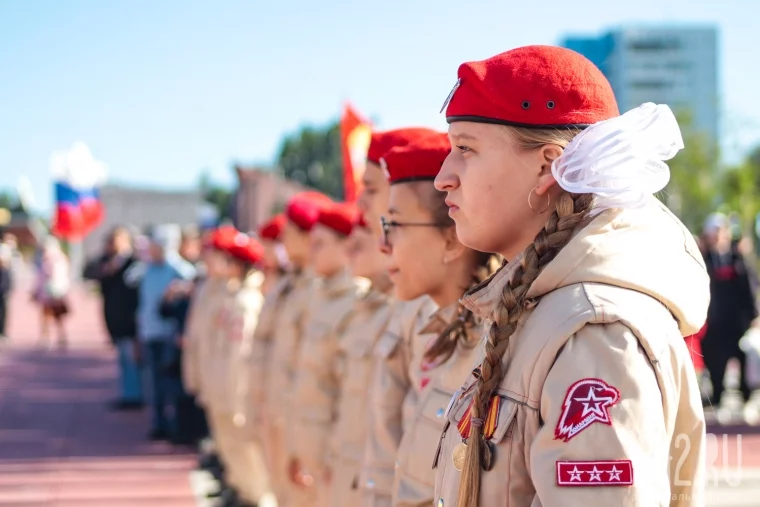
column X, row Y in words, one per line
column 587, row 401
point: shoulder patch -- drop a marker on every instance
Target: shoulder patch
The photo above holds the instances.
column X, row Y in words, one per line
column 586, row 402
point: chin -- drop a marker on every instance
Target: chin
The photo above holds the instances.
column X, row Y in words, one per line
column 404, row 294
column 477, row 240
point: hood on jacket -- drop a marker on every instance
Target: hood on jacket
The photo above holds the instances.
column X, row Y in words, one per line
column 646, row 249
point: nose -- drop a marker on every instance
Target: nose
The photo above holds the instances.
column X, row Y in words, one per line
column 384, row 246
column 361, row 201
column 447, row 180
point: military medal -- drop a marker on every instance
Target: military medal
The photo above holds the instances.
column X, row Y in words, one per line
column 465, row 425
column 457, row 457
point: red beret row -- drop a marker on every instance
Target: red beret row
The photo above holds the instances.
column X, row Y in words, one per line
column 237, row 244
column 308, row 209
column 529, row 87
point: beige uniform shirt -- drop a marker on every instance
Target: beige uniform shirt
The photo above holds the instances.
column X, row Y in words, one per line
column 316, row 385
column 231, row 351
column 414, row 482
column 396, row 384
column 366, row 324
column 262, row 347
column 289, row 327
column 198, row 331
column 599, row 404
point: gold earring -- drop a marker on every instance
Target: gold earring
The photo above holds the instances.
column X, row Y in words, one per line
column 530, row 204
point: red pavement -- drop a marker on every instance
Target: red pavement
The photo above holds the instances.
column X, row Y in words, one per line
column 59, row 443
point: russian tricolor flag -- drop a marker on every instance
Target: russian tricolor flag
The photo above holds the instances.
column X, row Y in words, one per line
column 77, row 211
column 78, row 208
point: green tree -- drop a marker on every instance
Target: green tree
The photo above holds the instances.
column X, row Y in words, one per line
column 693, row 190
column 9, row 200
column 740, row 190
column 216, row 194
column 312, row 157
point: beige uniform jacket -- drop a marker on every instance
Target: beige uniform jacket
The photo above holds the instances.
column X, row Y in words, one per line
column 230, row 353
column 599, row 405
column 203, row 308
column 289, row 327
column 366, row 324
column 262, row 347
column 317, row 379
column 396, row 384
column 414, row 481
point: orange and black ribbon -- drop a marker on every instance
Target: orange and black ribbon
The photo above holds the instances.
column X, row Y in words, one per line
column 491, row 420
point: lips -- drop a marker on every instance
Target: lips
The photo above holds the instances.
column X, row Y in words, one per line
column 452, row 206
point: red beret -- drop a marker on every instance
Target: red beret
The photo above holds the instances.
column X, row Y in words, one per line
column 420, row 160
column 303, row 209
column 223, row 236
column 532, row 86
column 245, row 248
column 341, row 217
column 272, row 229
column 383, row 142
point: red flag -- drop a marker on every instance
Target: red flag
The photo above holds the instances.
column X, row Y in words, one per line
column 355, row 133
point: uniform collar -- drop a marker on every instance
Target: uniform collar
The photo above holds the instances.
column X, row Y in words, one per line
column 483, row 298
column 440, row 319
column 338, row 284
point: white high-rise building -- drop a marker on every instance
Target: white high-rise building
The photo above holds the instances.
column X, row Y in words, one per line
column 677, row 66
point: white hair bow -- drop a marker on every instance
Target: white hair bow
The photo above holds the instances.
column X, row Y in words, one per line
column 620, row 160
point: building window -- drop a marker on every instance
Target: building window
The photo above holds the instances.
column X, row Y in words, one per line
column 651, row 85
column 653, row 45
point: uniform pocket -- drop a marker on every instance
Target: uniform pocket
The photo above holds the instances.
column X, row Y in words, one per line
column 422, row 442
column 387, row 345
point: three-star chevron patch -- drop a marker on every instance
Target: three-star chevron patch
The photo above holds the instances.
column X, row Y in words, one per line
column 595, row 473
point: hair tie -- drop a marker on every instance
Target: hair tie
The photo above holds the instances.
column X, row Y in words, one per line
column 621, row 160
column 477, row 422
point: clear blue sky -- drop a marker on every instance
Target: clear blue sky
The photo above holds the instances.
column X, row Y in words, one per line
column 160, row 90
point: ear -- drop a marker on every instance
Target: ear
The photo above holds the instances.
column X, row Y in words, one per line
column 549, row 153
column 454, row 249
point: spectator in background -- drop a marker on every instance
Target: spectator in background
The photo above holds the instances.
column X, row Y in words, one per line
column 6, row 259
column 158, row 333
column 732, row 303
column 191, row 422
column 119, row 312
column 51, row 290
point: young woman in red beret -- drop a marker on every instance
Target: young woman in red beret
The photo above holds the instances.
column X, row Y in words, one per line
column 354, row 364
column 392, row 402
column 586, row 394
column 279, row 339
column 275, row 259
column 234, row 419
column 429, row 260
column 316, row 382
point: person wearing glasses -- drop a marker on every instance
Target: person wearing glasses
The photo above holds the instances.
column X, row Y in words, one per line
column 428, row 259
column 393, row 397
column 586, row 394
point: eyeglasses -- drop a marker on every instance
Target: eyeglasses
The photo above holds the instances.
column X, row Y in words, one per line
column 388, row 225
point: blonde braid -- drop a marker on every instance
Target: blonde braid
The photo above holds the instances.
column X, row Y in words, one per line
column 571, row 211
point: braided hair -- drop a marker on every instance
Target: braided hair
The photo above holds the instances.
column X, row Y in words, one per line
column 570, row 211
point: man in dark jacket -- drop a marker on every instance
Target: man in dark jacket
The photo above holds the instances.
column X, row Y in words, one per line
column 119, row 310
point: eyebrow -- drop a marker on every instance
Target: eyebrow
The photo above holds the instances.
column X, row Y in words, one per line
column 463, row 136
